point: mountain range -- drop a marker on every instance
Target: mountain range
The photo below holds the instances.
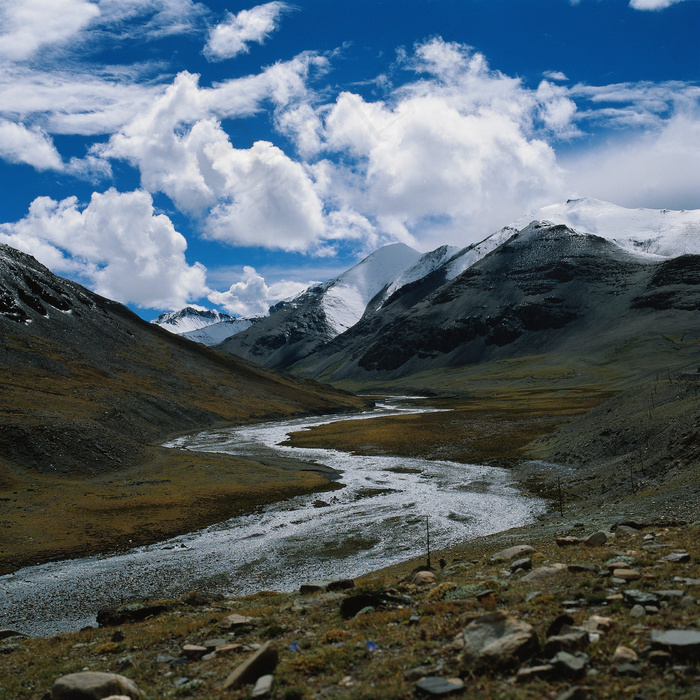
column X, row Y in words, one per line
column 584, row 273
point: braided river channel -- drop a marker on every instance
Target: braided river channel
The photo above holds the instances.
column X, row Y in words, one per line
column 378, row 518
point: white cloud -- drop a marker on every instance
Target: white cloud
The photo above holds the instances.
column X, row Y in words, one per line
column 117, row 243
column 657, row 169
column 251, row 296
column 652, row 4
column 555, row 75
column 233, row 36
column 28, row 25
column 31, row 146
column 451, row 156
column 270, row 199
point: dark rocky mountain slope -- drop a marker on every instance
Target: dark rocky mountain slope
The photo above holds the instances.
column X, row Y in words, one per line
column 86, row 383
column 547, row 290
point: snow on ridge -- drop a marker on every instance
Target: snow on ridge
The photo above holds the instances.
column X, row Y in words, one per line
column 218, row 332
column 189, row 319
column 345, row 297
column 666, row 233
column 426, row 264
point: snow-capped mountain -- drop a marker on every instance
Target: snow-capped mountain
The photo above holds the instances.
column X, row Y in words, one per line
column 345, row 298
column 663, row 232
column 189, row 319
column 362, row 301
column 218, row 332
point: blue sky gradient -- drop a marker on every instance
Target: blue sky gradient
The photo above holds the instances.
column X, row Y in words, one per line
column 173, row 152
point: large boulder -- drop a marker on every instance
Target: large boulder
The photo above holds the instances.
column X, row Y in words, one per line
column 91, row 685
column 496, row 641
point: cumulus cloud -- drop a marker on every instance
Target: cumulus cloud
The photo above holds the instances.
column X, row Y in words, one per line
column 653, row 169
column 117, row 243
column 31, row 146
column 451, row 153
column 234, row 36
column 251, row 296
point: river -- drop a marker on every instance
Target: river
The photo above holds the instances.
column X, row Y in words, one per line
column 377, row 519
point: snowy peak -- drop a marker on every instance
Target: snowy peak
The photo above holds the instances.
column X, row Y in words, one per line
column 346, row 297
column 660, row 232
column 218, row 332
column 425, row 265
column 189, row 319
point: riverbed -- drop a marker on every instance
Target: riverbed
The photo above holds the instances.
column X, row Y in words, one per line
column 378, row 517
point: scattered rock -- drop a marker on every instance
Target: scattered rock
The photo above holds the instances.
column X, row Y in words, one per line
column 626, row 531
column 683, row 645
column 497, row 640
column 194, row 651
column 519, row 550
column 572, row 666
column 627, row 669
column 326, row 585
column 678, row 557
column 659, row 658
column 638, row 611
column 544, row 572
column 597, row 539
column 435, row 685
column 415, row 674
column 424, row 577
column 582, row 568
column 261, row 663
column 632, row 596
column 575, row 693
column 233, row 621
column 573, row 640
column 558, row 624
column 132, row 612
column 263, row 686
column 527, row 673
column 624, row 654
column 567, row 541
column 90, row 685
column 524, row 564
column 627, row 574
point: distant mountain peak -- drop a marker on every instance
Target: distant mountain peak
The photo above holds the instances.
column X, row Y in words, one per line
column 189, row 319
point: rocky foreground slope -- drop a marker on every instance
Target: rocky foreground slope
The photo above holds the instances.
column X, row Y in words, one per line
column 564, row 609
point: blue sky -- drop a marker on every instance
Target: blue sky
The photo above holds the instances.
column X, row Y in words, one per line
column 227, row 154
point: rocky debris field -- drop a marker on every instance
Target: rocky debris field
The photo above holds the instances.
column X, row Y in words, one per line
column 587, row 612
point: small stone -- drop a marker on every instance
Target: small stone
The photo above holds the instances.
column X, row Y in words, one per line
column 326, row 585
column 527, row 673
column 574, row 640
column 228, row 649
column 90, row 685
column 633, row 596
column 625, row 531
column 531, row 596
column 597, row 539
column 233, row 621
column 582, row 568
column 597, row 622
column 543, row 572
column 687, row 601
column 627, row 574
column 571, row 666
column 659, row 658
column 424, row 577
column 497, row 640
column 436, row 685
column 628, row 669
column 681, row 644
column 575, row 693
column 567, row 541
column 194, row 651
column 558, row 624
column 618, row 564
column 415, row 674
column 624, row 654
column 213, row 643
column 678, row 557
column 670, row 594
column 263, row 686
column 513, row 552
column 637, row 611
column 524, row 564
column 261, row 663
